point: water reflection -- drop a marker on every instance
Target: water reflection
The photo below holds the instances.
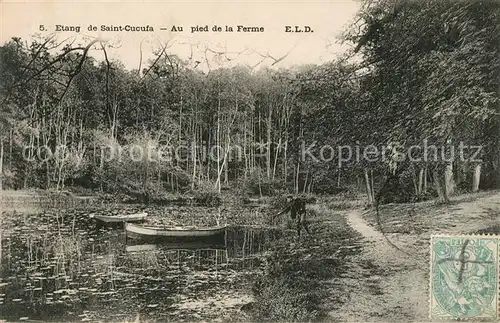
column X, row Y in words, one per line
column 60, row 266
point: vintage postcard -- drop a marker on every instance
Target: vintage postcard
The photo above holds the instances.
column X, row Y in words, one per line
column 248, row 161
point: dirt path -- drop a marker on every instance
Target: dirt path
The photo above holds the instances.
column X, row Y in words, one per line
column 387, row 284
column 359, row 224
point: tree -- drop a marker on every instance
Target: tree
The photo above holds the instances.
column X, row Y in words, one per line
column 433, row 72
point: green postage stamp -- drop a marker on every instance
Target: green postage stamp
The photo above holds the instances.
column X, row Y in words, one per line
column 464, row 277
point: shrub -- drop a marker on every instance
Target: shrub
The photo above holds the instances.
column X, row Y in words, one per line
column 206, row 194
column 283, row 300
column 290, row 289
column 257, row 183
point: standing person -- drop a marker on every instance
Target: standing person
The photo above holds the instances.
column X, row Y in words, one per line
column 297, row 208
column 300, row 205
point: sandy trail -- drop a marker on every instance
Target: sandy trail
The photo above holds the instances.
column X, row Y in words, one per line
column 359, row 224
column 386, row 284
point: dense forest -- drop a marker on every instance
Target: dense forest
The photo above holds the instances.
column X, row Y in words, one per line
column 418, row 72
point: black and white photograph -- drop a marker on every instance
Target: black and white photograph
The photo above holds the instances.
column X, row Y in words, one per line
column 250, row 161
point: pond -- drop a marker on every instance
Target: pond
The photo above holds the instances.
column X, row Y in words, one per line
column 60, row 266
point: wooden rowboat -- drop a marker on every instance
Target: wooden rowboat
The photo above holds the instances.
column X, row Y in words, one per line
column 136, row 231
column 121, row 217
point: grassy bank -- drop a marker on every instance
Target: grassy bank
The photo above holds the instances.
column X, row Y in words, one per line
column 34, row 201
column 475, row 211
column 298, row 284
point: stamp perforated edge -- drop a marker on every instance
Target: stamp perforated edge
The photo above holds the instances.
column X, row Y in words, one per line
column 458, row 234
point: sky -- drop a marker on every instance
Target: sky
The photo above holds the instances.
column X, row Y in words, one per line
column 327, row 19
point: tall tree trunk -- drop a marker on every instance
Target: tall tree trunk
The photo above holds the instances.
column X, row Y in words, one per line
column 268, row 144
column 11, row 143
column 476, row 178
column 193, row 151
column 1, row 165
column 47, row 175
column 29, row 161
column 276, row 155
column 101, row 171
column 252, row 141
column 245, row 174
column 146, row 180
column 495, row 155
column 305, row 182
column 415, row 181
column 285, row 152
column 285, row 162
column 425, row 179
column 301, row 135
column 372, row 185
column 297, row 173
column 228, row 155
column 420, row 180
column 209, row 153
column 441, row 191
column 218, row 146
column 226, row 172
column 115, row 119
column 368, row 186
column 449, row 181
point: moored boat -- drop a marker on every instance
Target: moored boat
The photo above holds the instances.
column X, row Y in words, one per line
column 136, row 231
column 119, row 218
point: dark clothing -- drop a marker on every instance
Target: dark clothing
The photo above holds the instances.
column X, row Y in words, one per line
column 302, row 222
column 297, row 209
column 297, row 206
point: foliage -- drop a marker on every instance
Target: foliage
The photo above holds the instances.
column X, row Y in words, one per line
column 282, row 300
column 292, row 287
column 420, row 70
column 207, row 195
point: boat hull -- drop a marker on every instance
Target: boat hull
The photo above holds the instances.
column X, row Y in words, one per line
column 158, row 234
column 121, row 218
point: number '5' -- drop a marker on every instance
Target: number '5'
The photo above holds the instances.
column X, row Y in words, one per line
column 42, row 28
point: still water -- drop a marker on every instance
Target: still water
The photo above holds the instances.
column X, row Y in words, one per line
column 61, row 266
